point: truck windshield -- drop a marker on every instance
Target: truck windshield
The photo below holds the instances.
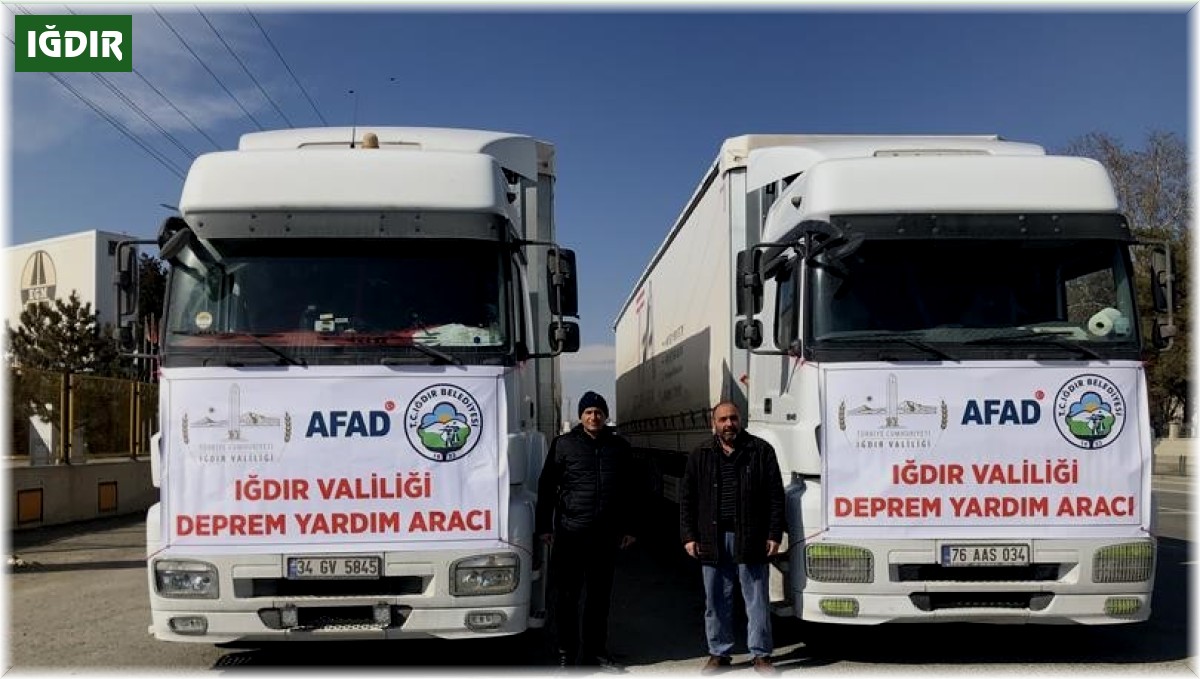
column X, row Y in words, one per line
column 344, row 301
column 1052, row 299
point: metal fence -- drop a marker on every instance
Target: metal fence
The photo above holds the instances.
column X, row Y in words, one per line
column 64, row 418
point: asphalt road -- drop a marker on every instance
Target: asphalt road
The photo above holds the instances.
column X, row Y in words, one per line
column 80, row 605
column 1174, row 506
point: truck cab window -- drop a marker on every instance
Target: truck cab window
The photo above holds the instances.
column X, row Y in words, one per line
column 787, row 305
column 366, row 295
column 968, row 291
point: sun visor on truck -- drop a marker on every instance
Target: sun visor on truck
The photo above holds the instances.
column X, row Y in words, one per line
column 792, row 155
column 516, row 153
column 346, row 180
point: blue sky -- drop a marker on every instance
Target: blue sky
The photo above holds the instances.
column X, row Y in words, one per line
column 637, row 103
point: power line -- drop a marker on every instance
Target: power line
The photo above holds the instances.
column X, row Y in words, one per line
column 178, row 172
column 165, row 98
column 115, row 123
column 166, row 162
column 177, row 110
column 138, row 109
column 99, row 110
column 285, row 65
column 210, row 71
column 190, row 154
column 247, row 70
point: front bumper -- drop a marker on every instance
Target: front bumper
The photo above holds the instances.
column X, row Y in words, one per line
column 248, row 626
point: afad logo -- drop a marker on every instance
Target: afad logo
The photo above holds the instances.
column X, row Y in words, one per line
column 76, row 43
column 1089, row 411
column 443, row 423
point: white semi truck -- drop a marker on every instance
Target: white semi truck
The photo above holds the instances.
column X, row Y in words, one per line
column 938, row 335
column 359, row 379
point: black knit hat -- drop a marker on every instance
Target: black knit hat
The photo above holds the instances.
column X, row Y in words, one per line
column 592, row 400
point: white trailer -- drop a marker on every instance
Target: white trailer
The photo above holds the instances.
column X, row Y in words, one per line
column 359, row 380
column 939, row 337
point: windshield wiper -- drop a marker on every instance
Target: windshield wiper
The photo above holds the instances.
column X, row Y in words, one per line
column 284, row 357
column 889, row 337
column 430, row 351
column 1037, row 338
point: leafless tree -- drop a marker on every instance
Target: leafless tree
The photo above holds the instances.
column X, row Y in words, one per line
column 1152, row 186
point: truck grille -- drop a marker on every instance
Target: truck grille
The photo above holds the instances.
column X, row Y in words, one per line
column 936, row 601
column 928, row 572
column 249, row 588
column 339, row 618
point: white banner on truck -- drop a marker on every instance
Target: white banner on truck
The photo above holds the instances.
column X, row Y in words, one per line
column 334, row 459
column 985, row 451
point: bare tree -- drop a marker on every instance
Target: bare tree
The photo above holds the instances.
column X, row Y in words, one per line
column 1152, row 188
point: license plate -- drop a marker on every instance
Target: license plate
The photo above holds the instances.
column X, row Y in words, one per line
column 985, row 555
column 332, row 567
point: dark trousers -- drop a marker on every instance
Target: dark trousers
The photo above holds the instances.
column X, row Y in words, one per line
column 581, row 567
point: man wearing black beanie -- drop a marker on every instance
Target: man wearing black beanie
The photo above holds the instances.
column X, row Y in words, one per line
column 587, row 504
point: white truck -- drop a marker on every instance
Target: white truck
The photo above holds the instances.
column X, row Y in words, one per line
column 359, row 378
column 938, row 335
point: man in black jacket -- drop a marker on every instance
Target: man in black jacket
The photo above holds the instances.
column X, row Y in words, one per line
column 731, row 519
column 588, row 486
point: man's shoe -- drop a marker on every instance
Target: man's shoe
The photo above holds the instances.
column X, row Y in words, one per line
column 762, row 665
column 715, row 663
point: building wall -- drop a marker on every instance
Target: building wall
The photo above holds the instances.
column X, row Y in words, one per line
column 51, row 269
column 57, row 494
column 47, row 495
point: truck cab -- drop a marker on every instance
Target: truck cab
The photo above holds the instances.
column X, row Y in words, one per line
column 359, row 367
column 940, row 338
column 950, row 355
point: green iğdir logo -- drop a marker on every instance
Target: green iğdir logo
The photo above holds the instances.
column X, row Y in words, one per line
column 74, row 43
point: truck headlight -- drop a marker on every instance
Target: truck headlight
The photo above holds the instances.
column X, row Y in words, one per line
column 1129, row 562
column 185, row 579
column 826, row 562
column 479, row 575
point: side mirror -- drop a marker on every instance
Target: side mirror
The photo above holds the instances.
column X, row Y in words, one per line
column 127, row 280
column 561, row 286
column 175, row 244
column 748, row 334
column 170, row 226
column 749, row 283
column 564, row 337
column 1161, row 278
column 187, row 253
column 1162, row 334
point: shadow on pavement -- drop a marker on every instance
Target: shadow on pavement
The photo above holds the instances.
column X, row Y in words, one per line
column 82, row 535
column 38, row 567
column 1163, row 638
column 102, row 544
column 657, row 616
column 515, row 652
